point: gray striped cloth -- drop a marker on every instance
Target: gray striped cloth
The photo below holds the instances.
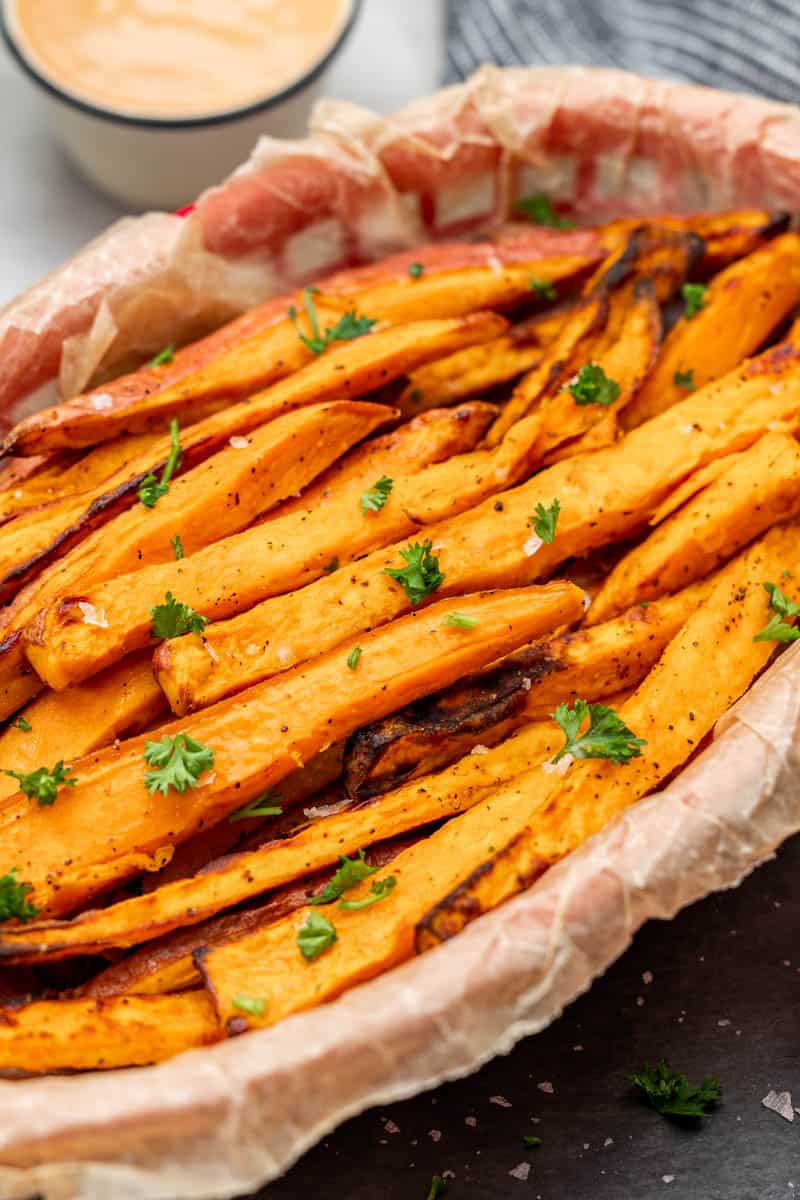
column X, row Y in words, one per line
column 743, row 45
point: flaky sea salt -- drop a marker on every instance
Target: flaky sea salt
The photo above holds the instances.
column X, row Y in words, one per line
column 532, row 545
column 391, row 1127
column 647, row 977
column 435, row 1135
column 500, row 1101
column 101, row 401
column 558, row 768
column 668, row 1178
column 238, row 442
column 546, row 1086
column 471, row 1121
column 92, row 615
column 780, row 1103
column 479, row 749
column 520, row 1171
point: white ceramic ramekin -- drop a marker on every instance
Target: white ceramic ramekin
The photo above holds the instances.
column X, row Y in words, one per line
column 149, row 162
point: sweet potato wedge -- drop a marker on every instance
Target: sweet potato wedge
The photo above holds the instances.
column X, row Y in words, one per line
column 742, row 306
column 604, row 497
column 648, row 250
column 590, row 663
column 257, row 740
column 761, row 487
column 243, row 876
column 704, row 669
column 240, row 570
column 95, row 1035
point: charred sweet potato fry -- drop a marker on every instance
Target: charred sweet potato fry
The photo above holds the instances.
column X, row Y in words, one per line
column 468, row 373
column 741, row 307
column 666, row 256
column 725, row 236
column 760, row 488
column 256, row 741
column 238, row 571
column 603, row 497
column 588, row 663
column 704, row 669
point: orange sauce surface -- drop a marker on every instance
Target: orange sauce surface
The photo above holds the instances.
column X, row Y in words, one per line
column 175, row 58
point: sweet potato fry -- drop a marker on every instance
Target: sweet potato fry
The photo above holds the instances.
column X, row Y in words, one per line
column 742, row 306
column 726, row 236
column 284, row 553
column 123, row 699
column 243, row 876
column 590, row 663
column 256, row 740
column 761, row 487
column 604, row 497
column 704, row 669
column 468, row 373
column 95, row 1035
column 648, row 250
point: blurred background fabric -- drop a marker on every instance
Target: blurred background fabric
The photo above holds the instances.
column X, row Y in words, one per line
column 743, row 45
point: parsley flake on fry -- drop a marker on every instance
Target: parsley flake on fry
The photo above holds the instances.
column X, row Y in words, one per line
column 353, row 658
column 178, row 763
column 671, row 1094
column 380, row 890
column 21, row 724
column 543, row 288
column 12, row 898
column 416, row 270
column 348, row 327
column 349, row 872
column 684, row 379
column 539, row 210
column 332, row 566
column 152, row 489
column 177, row 547
column 262, row 806
column 545, row 520
column 606, row 736
column 173, row 619
column 316, row 936
column 777, row 629
column 421, row 575
column 694, row 299
column 164, row 356
column 375, row 497
column 252, row 1005
column 42, row 784
column 592, row 386
column 460, row 621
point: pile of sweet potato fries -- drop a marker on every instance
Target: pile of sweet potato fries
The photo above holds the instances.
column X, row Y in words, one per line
column 332, row 631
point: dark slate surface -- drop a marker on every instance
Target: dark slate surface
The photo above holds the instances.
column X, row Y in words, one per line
column 724, row 1000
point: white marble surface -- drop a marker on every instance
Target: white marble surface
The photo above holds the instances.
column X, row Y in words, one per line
column 47, row 211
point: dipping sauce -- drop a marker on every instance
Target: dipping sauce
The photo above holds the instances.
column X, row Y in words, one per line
column 175, row 58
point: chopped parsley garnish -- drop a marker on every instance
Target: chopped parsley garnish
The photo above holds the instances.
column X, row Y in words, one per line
column 539, row 209
column 21, row 724
column 177, row 547
column 438, row 1188
column 262, row 806
column 250, row 1005
column 672, row 1095
column 12, row 898
column 375, row 497
column 777, row 629
column 179, row 762
column 545, row 520
column 416, row 269
column 164, row 356
column 151, row 489
column 348, row 327
column 694, row 299
column 684, row 379
column 592, row 386
column 349, row 872
column 354, row 657
column 315, row 936
column 421, row 575
column 543, row 288
column 531, row 1141
column 173, row 619
column 43, row 785
column 332, row 566
column 380, row 890
column 606, row 737
column 416, row 395
column 460, row 620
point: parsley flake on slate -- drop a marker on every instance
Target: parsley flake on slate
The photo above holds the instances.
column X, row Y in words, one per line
column 694, row 299
column 545, row 520
column 21, row 724
column 776, row 629
column 354, row 658
column 348, row 327
column 43, row 785
column 671, row 1094
column 262, row 806
column 531, row 1141
column 164, row 356
column 438, row 1188
column 177, row 547
column 543, row 288
column 416, row 269
column 421, row 575
column 12, row 898
column 315, row 936
column 592, row 386
column 152, row 489
column 252, row 1005
column 381, row 889
column 460, row 620
column 684, row 379
column 179, row 762
column 606, row 737
column 349, row 872
column 539, row 209
column 375, row 497
column 173, row 619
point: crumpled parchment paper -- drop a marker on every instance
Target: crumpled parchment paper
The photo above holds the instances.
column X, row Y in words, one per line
column 218, row 1122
